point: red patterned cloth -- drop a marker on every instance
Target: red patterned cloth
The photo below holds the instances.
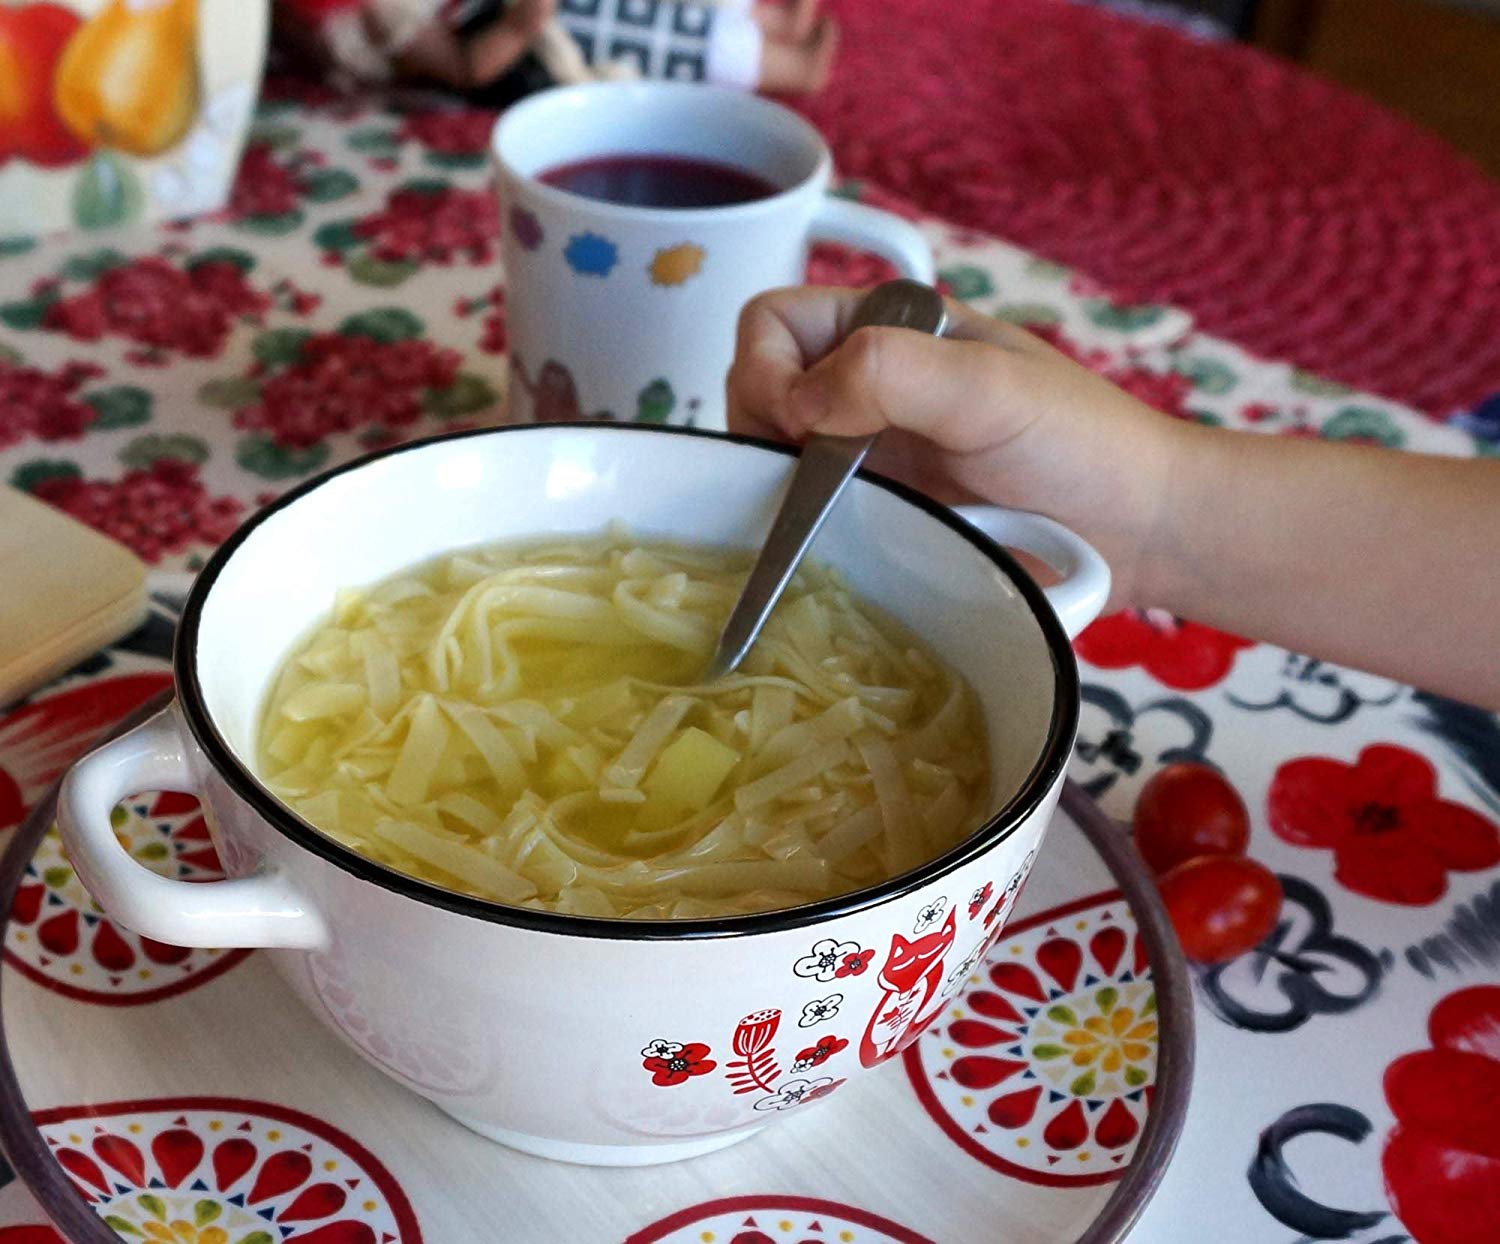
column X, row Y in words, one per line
column 1292, row 216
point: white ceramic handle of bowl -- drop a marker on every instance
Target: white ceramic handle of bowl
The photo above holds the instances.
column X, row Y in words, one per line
column 866, row 228
column 260, row 910
column 1079, row 598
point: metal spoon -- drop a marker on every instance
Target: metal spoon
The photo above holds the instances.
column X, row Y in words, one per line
column 824, row 467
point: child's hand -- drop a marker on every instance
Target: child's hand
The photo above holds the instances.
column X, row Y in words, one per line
column 988, row 411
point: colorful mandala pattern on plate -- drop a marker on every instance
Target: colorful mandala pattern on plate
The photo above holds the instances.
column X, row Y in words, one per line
column 1043, row 1067
column 218, row 1171
column 764, row 1219
column 59, row 937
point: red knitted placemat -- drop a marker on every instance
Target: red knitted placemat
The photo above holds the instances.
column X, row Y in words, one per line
column 1289, row 215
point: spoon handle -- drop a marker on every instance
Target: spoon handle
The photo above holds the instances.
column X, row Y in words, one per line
column 824, row 468
column 826, row 465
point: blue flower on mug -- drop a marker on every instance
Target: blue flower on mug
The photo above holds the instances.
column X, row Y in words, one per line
column 588, row 254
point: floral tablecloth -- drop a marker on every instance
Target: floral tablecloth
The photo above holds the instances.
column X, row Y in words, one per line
column 161, row 384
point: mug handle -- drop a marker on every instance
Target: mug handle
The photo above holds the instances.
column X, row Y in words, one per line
column 869, row 229
column 259, row 910
column 1079, row 598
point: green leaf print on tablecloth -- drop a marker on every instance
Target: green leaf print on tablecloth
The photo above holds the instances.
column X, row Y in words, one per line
column 230, row 393
column 276, row 224
column 1364, row 423
column 368, row 270
column 179, row 447
column 1028, row 313
column 467, row 394
column 1208, row 375
column 326, row 185
column 377, row 142
column 967, row 282
column 1122, row 318
column 91, row 265
column 122, row 406
column 1317, row 386
column 280, row 345
column 264, row 457
column 383, row 324
column 29, row 474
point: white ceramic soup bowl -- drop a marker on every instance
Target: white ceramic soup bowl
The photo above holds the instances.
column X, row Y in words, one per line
column 603, row 1041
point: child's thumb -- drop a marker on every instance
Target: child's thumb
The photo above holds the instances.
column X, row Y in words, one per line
column 895, row 377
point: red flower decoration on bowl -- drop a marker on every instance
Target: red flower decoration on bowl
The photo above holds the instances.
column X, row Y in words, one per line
column 1442, row 1159
column 1392, row 837
column 676, row 1064
column 1183, row 655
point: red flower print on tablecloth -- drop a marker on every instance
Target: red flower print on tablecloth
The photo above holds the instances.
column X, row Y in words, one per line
column 377, row 373
column 422, row 223
column 274, row 183
column 164, row 308
column 42, row 737
column 492, row 304
column 1442, row 1159
column 60, row 938
column 1044, row 1069
column 1391, row 835
column 818, row 1054
column 200, row 1170
column 1179, row 654
column 156, row 510
column 676, row 1062
column 458, row 137
column 1166, row 391
column 829, row 263
column 45, row 405
column 762, row 1219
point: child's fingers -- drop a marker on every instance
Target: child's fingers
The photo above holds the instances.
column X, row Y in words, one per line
column 959, row 394
column 785, row 332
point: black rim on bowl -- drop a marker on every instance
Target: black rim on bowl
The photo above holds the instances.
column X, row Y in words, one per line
column 1047, row 768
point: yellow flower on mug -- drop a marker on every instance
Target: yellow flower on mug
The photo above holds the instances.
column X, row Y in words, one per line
column 673, row 265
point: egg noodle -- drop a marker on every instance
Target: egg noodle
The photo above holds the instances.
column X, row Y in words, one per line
column 517, row 722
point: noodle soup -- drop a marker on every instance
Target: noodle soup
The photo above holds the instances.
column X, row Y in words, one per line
column 518, row 722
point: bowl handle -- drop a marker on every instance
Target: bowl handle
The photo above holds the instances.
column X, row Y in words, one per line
column 263, row 909
column 1079, row 597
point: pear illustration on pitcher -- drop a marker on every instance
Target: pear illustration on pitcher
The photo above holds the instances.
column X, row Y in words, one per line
column 129, row 78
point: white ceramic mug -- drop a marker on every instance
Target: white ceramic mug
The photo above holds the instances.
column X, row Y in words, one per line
column 629, row 313
column 605, row 1041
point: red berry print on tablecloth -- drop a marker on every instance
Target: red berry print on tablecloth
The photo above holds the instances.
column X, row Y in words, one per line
column 763, row 1219
column 449, row 137
column 217, row 1171
column 165, row 307
column 276, row 180
column 376, row 374
column 423, row 223
column 36, row 404
column 43, row 736
column 60, row 938
column 1393, row 838
column 1044, row 1066
column 676, row 1062
column 829, row 263
column 156, row 510
column 1179, row 654
column 491, row 304
column 1442, row 1159
column 910, row 980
